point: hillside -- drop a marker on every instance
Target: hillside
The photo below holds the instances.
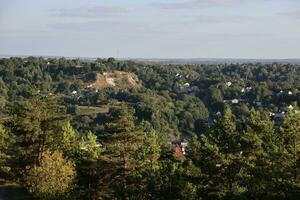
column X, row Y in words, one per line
column 115, row 79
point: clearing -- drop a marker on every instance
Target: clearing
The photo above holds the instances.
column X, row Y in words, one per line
column 115, row 79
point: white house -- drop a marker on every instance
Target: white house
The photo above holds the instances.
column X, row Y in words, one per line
column 234, row 101
column 186, row 85
column 74, row 92
column 228, row 83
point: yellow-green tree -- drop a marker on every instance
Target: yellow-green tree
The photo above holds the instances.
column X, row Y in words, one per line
column 53, row 178
column 3, row 150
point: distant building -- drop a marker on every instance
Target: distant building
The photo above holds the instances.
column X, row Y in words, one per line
column 74, row 92
column 228, row 83
column 234, row 101
column 179, row 148
column 248, row 89
column 178, row 152
column 186, row 85
column 257, row 103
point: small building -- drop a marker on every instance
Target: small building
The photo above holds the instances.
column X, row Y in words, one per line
column 74, row 92
column 179, row 148
column 178, row 152
column 228, row 83
column 235, row 101
column 271, row 114
column 186, row 85
column 257, row 103
column 248, row 89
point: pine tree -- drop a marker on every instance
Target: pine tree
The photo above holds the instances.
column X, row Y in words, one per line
column 121, row 143
column 150, row 149
column 219, row 155
column 289, row 165
column 68, row 141
column 4, row 143
column 89, row 166
column 33, row 127
column 260, row 156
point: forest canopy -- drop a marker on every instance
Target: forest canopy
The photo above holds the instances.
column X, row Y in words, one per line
column 110, row 129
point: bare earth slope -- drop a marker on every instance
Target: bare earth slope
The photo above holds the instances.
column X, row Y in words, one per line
column 115, row 79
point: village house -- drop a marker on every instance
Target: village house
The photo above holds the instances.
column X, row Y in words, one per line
column 228, row 83
column 179, row 148
column 74, row 92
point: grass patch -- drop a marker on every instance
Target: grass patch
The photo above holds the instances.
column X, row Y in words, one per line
column 91, row 110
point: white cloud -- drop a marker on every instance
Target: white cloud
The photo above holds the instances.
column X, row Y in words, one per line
column 92, row 12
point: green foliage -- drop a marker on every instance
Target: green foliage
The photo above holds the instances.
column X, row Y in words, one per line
column 33, row 128
column 68, row 141
column 90, row 148
column 121, row 140
column 150, row 150
column 4, row 143
column 121, row 143
column 53, row 178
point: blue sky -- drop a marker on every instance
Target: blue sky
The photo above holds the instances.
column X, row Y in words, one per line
column 151, row 28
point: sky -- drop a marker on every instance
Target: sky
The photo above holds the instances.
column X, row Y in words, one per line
column 268, row 29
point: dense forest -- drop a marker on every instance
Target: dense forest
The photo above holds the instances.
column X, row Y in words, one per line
column 110, row 129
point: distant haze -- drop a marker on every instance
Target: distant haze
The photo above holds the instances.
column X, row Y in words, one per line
column 248, row 29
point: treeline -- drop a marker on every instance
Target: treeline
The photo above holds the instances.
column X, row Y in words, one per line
column 253, row 159
column 177, row 99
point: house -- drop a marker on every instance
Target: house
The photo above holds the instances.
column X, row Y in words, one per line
column 248, row 89
column 186, row 85
column 290, row 107
column 178, row 152
column 228, row 83
column 234, row 101
column 218, row 113
column 74, row 92
column 290, row 92
column 180, row 148
column 257, row 103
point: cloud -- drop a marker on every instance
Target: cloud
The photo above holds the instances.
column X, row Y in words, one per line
column 189, row 4
column 91, row 12
column 215, row 19
column 109, row 27
column 293, row 14
column 95, row 25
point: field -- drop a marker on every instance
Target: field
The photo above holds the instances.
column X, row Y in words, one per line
column 91, row 110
